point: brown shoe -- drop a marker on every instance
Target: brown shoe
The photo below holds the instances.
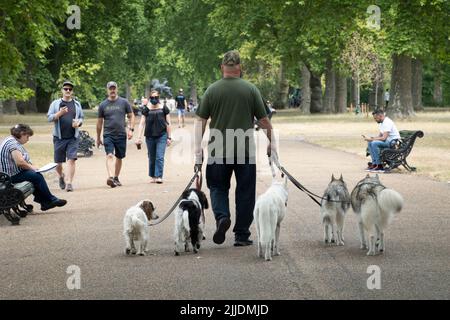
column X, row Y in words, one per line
column 110, row 182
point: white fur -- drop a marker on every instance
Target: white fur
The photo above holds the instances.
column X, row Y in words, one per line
column 135, row 229
column 182, row 228
column 270, row 209
column 376, row 216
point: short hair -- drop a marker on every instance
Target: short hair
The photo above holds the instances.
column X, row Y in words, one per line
column 154, row 91
column 377, row 112
column 21, row 129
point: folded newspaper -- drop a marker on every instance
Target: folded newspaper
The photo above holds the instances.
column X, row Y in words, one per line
column 47, row 167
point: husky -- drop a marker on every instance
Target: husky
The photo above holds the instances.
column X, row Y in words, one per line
column 375, row 206
column 335, row 203
column 270, row 209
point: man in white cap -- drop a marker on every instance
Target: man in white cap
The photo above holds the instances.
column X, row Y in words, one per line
column 181, row 107
column 111, row 118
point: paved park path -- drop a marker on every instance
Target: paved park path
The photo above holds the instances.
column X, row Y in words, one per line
column 87, row 233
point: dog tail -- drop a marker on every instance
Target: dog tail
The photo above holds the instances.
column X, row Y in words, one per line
column 186, row 220
column 390, row 201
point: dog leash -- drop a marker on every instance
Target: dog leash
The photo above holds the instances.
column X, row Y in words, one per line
column 198, row 176
column 302, row 188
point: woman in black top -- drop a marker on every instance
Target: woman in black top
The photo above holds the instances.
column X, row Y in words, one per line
column 156, row 121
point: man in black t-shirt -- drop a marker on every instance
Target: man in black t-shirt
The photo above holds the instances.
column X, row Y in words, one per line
column 67, row 115
column 181, row 104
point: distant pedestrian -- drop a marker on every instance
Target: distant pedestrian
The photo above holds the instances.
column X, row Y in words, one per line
column 67, row 115
column 111, row 119
column 155, row 125
column 386, row 98
column 181, row 104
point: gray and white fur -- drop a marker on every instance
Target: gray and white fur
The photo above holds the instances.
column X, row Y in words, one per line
column 375, row 206
column 334, row 205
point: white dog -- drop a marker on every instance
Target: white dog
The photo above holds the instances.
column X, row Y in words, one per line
column 375, row 206
column 190, row 220
column 269, row 211
column 135, row 227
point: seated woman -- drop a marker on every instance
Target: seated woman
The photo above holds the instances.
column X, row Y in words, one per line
column 15, row 161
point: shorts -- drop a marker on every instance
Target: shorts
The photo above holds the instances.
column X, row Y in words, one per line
column 65, row 149
column 116, row 145
column 181, row 112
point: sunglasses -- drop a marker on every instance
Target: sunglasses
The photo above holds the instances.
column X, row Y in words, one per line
column 155, row 97
column 67, row 89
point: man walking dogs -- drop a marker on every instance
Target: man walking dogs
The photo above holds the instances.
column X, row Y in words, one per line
column 67, row 115
column 111, row 118
column 232, row 104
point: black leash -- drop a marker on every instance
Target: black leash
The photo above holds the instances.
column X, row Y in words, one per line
column 302, row 188
column 197, row 174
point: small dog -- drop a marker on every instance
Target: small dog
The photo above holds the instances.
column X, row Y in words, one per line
column 375, row 206
column 135, row 227
column 270, row 209
column 190, row 220
column 335, row 203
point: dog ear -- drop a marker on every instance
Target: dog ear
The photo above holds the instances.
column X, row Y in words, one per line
column 341, row 178
column 203, row 200
column 332, row 177
column 185, row 194
column 147, row 207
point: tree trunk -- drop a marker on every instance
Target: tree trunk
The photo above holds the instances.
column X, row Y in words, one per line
column 283, row 89
column 354, row 92
column 194, row 93
column 10, row 106
column 437, row 91
column 417, row 74
column 316, row 94
column 306, row 90
column 128, row 91
column 330, row 89
column 400, row 104
column 341, row 94
column 376, row 96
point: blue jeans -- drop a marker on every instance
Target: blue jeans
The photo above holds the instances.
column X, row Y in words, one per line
column 41, row 192
column 156, row 148
column 375, row 150
column 218, row 177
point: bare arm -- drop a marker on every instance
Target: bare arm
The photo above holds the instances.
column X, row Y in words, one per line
column 21, row 162
column 169, row 129
column 382, row 137
column 99, row 131
column 140, row 130
column 265, row 124
column 199, row 131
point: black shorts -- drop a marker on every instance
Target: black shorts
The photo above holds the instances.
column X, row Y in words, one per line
column 65, row 149
column 116, row 145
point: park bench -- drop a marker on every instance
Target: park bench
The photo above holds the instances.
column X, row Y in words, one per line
column 12, row 198
column 396, row 155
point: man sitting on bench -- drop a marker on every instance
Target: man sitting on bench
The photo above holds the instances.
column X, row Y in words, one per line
column 388, row 133
column 15, row 162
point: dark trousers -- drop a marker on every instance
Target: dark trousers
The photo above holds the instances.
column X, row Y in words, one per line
column 218, row 177
column 41, row 192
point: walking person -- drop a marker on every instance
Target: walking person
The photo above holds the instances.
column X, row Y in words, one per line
column 386, row 98
column 155, row 125
column 15, row 162
column 111, row 118
column 181, row 104
column 231, row 103
column 67, row 115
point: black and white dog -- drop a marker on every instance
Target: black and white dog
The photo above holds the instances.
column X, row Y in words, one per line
column 190, row 220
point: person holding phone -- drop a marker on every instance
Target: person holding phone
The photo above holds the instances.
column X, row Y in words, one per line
column 67, row 115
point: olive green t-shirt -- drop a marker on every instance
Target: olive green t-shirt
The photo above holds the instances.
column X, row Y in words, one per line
column 232, row 104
